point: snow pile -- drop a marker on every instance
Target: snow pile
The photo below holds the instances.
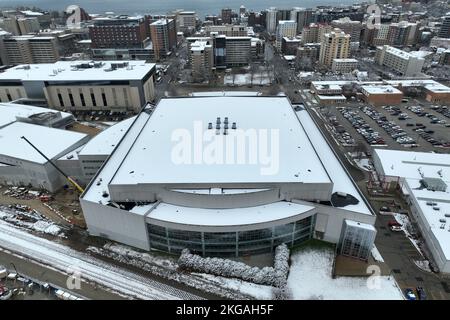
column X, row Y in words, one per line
column 407, row 228
column 31, row 220
column 257, row 291
column 376, row 254
column 274, row 276
column 310, row 277
column 423, row 265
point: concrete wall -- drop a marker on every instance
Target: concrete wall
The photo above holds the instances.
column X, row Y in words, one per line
column 16, row 92
column 116, row 224
column 153, row 192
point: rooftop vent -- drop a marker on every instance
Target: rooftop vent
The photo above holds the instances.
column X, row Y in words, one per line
column 210, row 126
column 442, row 220
column 436, row 208
column 433, row 184
column 233, row 126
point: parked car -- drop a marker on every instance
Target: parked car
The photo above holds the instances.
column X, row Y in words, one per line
column 396, row 228
column 421, row 293
column 393, row 223
column 409, row 294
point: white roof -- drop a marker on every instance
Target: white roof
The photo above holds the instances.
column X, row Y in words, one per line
column 105, row 141
column 381, row 90
column 360, row 225
column 227, row 217
column 400, row 53
column 52, row 142
column 431, row 216
column 345, row 60
column 64, row 71
column 94, row 192
column 149, row 159
column 341, row 180
column 335, row 97
column 407, row 164
column 10, row 111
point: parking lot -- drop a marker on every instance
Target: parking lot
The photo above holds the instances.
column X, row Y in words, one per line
column 111, row 116
column 416, row 125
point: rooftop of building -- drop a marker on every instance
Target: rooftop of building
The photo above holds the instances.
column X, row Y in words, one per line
column 384, row 89
column 400, row 53
column 9, row 112
column 161, row 22
column 348, row 60
column 52, row 142
column 192, row 115
column 300, row 137
column 412, row 165
column 79, row 71
column 104, row 142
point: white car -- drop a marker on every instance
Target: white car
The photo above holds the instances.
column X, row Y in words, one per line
column 396, row 228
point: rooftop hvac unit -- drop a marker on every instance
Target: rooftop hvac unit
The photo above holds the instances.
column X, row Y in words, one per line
column 436, row 208
column 442, row 220
column 210, row 126
column 447, row 215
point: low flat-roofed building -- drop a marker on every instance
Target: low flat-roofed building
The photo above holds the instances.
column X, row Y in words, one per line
column 331, row 99
column 381, row 94
column 326, row 89
column 344, row 65
column 424, row 179
column 150, row 195
column 82, row 85
column 437, row 93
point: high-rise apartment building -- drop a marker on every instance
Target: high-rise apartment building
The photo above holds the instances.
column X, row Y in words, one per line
column 202, row 59
column 226, row 15
column 164, row 37
column 314, row 32
column 118, row 32
column 444, row 31
column 353, row 28
column 334, row 45
column 271, row 20
column 285, row 28
column 29, row 49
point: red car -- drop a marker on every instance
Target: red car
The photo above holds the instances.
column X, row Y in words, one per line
column 393, row 223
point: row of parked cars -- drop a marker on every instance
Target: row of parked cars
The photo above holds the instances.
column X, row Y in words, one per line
column 442, row 110
column 87, row 115
column 340, row 133
column 419, row 294
column 372, row 137
column 392, row 129
column 420, row 112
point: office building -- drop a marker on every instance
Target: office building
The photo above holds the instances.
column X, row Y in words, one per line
column 314, row 32
column 226, row 16
column 82, row 85
column 444, row 31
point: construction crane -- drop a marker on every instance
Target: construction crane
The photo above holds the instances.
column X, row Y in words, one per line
column 76, row 185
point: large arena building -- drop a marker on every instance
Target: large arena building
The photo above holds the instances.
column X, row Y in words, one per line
column 153, row 192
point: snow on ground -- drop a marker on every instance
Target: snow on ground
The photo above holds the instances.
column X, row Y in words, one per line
column 403, row 219
column 35, row 221
column 64, row 259
column 424, row 265
column 376, row 254
column 257, row 291
column 310, row 279
column 246, row 79
column 363, row 164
